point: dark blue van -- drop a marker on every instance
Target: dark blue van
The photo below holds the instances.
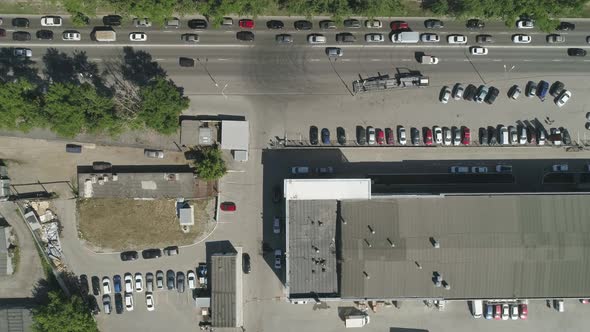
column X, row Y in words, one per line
column 542, row 89
column 117, row 282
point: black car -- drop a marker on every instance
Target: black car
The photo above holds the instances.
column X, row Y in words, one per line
column 45, row 34
column 129, row 255
column 576, row 52
column 2, row 33
column 434, row 24
column 325, row 136
column 475, row 24
column 20, row 22
column 277, row 194
column 493, row 134
column 93, row 305
column 95, row 286
column 197, row 24
column 415, row 136
column 246, row 263
column 119, row 303
column 565, row 26
column 352, row 23
column 556, row 88
column 313, row 135
column 275, row 24
column 345, row 37
column 302, row 25
column 151, row 253
column 245, row 36
column 21, row 36
column 470, row 92
column 341, row 135
column 112, row 20
column 567, row 140
column 170, row 279
column 492, row 95
column 186, row 62
column 483, row 136
column 83, row 285
column 361, row 135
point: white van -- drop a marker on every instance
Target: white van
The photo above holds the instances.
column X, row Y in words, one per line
column 503, row 135
column 477, row 307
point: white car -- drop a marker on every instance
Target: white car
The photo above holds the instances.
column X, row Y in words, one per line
column 447, row 139
column 445, row 96
column 128, row 283
column 71, row 35
column 458, row 91
column 106, row 285
column 142, row 22
column 51, row 21
column 521, row 39
column 316, row 38
column 373, row 24
column 371, row 135
column 514, row 312
column 149, row 302
column 278, row 257
column 138, row 36
column 192, row 280
column 525, row 24
column 437, row 133
column 23, row 52
column 505, row 311
column 401, row 136
column 456, row 136
column 563, row 98
column 374, row 38
column 430, row 38
column 457, row 39
column 276, row 226
column 129, row 301
column 138, row 283
column 478, row 50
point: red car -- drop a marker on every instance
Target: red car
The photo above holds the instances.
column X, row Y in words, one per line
column 466, row 136
column 380, row 136
column 498, row 312
column 428, row 137
column 399, row 25
column 228, row 206
column 389, row 136
column 524, row 311
column 246, row 23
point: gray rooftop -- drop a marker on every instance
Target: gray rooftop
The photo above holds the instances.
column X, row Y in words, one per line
column 312, row 228
column 529, row 246
column 223, row 290
column 15, row 319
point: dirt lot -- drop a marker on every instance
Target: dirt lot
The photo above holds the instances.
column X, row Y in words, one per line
column 125, row 224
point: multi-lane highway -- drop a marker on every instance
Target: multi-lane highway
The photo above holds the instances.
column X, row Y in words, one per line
column 265, row 67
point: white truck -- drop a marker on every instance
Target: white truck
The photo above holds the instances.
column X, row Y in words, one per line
column 356, row 321
column 429, row 60
column 405, row 37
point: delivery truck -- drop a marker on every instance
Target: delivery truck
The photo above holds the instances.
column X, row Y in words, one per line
column 356, row 321
column 429, row 60
column 405, row 37
column 104, row 34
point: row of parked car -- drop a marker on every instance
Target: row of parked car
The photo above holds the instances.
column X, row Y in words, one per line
column 505, row 311
column 149, row 253
column 499, row 135
column 489, row 94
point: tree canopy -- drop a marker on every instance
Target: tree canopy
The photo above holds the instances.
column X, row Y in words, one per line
column 62, row 314
column 19, row 107
column 209, row 163
column 162, row 103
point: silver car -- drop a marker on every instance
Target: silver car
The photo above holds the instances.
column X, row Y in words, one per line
column 334, row 52
column 374, row 38
column 153, row 153
column 284, row 39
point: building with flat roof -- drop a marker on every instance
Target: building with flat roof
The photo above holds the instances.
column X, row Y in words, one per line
column 235, row 136
column 460, row 246
column 226, row 289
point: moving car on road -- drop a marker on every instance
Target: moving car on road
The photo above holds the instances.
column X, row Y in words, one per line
column 275, row 24
column 71, row 35
column 21, row 36
column 555, row 39
column 190, row 37
column 278, row 258
column 20, row 22
column 373, row 24
column 51, row 21
column 45, row 35
column 430, row 38
column 475, row 24
column 142, row 22
column 478, row 50
column 316, row 38
column 374, row 38
column 197, row 24
column 565, row 26
column 276, row 225
column 138, row 36
column 302, row 25
column 521, row 39
column 334, row 52
column 434, row 24
column 247, row 36
column 352, row 23
column 284, row 38
column 525, row 24
column 576, row 52
column 484, row 39
column 23, row 52
column 327, row 25
column 457, row 39
column 246, row 23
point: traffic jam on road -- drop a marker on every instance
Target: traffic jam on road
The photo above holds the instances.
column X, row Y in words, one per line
column 400, row 32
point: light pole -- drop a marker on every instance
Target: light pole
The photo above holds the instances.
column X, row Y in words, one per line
column 207, row 71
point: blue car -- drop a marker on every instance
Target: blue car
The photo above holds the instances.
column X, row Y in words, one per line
column 117, row 283
column 325, row 136
column 542, row 89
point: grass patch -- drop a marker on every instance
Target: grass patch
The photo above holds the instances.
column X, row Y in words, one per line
column 125, row 224
column 15, row 257
column 31, row 7
column 414, row 9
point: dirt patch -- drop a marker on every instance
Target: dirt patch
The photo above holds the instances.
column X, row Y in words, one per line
column 127, row 224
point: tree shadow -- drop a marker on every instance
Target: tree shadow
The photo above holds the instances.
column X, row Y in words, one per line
column 12, row 67
column 138, row 67
column 59, row 67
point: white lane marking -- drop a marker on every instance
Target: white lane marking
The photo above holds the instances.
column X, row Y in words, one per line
column 375, row 59
column 527, row 60
column 556, row 60
column 346, row 60
column 496, row 60
column 223, row 59
column 314, row 60
column 160, row 59
column 109, row 45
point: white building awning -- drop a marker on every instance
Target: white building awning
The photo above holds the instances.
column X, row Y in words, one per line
column 319, row 189
column 235, row 135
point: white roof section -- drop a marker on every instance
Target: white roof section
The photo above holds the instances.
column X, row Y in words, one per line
column 187, row 215
column 235, row 135
column 327, row 189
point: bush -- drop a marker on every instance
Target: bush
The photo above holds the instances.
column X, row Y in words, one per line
column 209, row 164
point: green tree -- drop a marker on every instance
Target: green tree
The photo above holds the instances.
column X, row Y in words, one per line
column 209, row 163
column 62, row 314
column 162, row 102
column 72, row 109
column 155, row 10
column 19, row 106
